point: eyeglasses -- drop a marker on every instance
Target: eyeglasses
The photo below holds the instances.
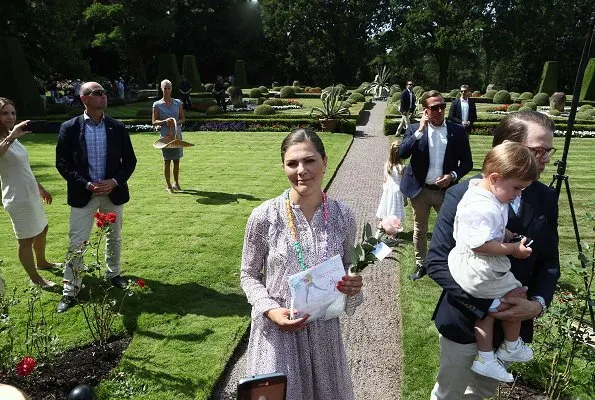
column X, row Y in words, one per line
column 437, row 107
column 410, row 84
column 96, row 92
column 541, row 152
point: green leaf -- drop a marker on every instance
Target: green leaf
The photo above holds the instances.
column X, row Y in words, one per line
column 368, row 230
column 353, row 255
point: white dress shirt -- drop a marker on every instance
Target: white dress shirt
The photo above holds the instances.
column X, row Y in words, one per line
column 437, row 140
column 464, row 109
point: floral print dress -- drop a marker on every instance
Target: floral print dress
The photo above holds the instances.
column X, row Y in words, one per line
column 313, row 359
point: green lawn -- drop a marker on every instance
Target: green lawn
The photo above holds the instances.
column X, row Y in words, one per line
column 187, row 247
column 418, row 299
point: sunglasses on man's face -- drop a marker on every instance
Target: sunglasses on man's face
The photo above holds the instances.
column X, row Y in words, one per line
column 437, row 107
column 96, row 92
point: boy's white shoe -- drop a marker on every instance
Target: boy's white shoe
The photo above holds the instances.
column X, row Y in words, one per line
column 491, row 368
column 522, row 352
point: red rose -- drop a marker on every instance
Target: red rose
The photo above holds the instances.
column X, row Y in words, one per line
column 26, row 366
column 141, row 284
column 99, row 223
column 111, row 217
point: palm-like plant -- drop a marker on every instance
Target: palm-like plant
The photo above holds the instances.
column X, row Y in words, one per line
column 379, row 88
column 331, row 98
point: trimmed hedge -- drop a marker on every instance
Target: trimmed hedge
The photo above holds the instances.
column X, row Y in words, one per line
column 490, row 94
column 530, row 104
column 264, row 109
column 168, row 69
column 525, row 96
column 240, row 74
column 542, row 99
column 17, row 81
column 549, row 78
column 288, row 91
column 588, row 86
column 255, row 93
column 190, row 71
column 358, row 97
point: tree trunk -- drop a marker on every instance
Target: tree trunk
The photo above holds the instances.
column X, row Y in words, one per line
column 443, row 58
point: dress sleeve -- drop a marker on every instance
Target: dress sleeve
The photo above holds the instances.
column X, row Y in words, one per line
column 256, row 248
column 478, row 224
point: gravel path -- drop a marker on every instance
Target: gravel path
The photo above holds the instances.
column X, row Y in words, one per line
column 373, row 334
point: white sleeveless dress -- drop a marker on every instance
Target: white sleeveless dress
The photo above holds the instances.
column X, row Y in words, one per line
column 391, row 202
column 20, row 193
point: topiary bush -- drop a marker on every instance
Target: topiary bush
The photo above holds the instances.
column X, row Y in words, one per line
column 525, row 108
column 214, row 110
column 263, row 89
column 358, row 97
column 477, row 93
column 287, row 91
column 168, row 69
column 531, row 105
column 453, row 93
column 555, row 113
column 277, row 88
column 240, row 74
column 588, row 86
column 514, row 107
column 583, row 116
column 298, row 89
column 526, row 96
column 542, row 99
column 255, row 93
column 346, row 104
column 502, row 97
column 264, row 109
column 360, row 91
column 190, row 71
column 514, row 95
column 396, row 97
column 490, row 94
column 585, row 107
column 209, row 87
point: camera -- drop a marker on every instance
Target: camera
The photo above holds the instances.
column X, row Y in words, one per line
column 518, row 238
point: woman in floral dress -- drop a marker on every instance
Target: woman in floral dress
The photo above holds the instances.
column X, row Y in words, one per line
column 295, row 231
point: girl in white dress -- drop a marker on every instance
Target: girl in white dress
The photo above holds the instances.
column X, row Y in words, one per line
column 479, row 262
column 392, row 201
column 21, row 195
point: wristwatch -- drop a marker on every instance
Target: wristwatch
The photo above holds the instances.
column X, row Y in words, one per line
column 541, row 302
column 453, row 175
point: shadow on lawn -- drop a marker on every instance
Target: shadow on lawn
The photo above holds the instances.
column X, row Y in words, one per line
column 217, row 198
column 180, row 300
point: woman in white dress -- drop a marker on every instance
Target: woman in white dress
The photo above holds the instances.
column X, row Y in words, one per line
column 21, row 195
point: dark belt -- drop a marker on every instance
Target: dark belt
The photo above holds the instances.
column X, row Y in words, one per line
column 433, row 187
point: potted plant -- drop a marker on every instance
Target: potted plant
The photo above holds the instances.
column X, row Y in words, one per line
column 331, row 112
column 379, row 88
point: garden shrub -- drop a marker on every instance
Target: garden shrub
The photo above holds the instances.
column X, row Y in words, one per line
column 264, row 109
column 277, row 88
column 394, row 89
column 542, row 99
column 57, row 109
column 453, row 93
column 396, row 97
column 209, row 87
column 214, row 110
column 590, row 111
column 514, row 95
column 514, row 107
column 360, row 91
column 298, row 89
column 358, row 97
column 142, row 97
column 274, row 102
column 240, row 74
column 555, row 113
column 287, row 91
column 490, row 94
column 418, row 91
column 346, row 104
column 525, row 108
column 585, row 107
column 350, row 101
column 263, row 89
column 531, row 105
column 260, row 101
column 296, row 84
column 526, row 96
column 255, row 93
column 502, row 97
column 275, row 84
column 477, row 93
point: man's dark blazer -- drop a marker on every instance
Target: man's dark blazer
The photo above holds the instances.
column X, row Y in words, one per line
column 455, row 114
column 73, row 164
column 406, row 104
column 456, row 311
column 457, row 157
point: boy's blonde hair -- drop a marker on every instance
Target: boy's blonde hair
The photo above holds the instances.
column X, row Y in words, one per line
column 394, row 160
column 511, row 160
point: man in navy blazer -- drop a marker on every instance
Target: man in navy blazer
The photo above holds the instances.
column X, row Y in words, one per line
column 463, row 111
column 534, row 215
column 406, row 107
column 94, row 155
column 440, row 155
